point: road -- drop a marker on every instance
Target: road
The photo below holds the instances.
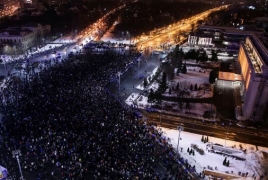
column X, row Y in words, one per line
column 130, row 77
column 230, row 132
column 64, row 51
column 170, row 31
column 223, row 98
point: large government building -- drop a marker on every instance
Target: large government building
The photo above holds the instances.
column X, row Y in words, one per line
column 253, row 60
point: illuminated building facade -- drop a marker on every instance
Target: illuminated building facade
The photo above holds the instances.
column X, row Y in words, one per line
column 253, row 58
column 199, row 39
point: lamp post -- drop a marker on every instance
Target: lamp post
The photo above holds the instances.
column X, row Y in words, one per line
column 160, row 114
column 119, row 74
column 138, row 64
column 180, row 128
column 15, row 50
column 17, row 154
column 227, row 132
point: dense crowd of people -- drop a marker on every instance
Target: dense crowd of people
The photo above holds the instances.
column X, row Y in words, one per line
column 68, row 126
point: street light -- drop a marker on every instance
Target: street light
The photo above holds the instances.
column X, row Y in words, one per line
column 17, row 154
column 180, row 128
column 160, row 114
column 119, row 74
column 227, row 132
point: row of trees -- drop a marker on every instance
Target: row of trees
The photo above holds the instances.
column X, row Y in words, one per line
column 155, row 96
column 200, row 55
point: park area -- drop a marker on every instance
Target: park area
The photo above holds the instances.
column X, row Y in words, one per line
column 245, row 161
column 192, row 85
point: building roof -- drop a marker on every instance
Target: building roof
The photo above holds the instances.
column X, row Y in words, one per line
column 31, row 24
column 226, row 30
column 229, row 76
column 264, row 18
column 259, row 42
column 15, row 32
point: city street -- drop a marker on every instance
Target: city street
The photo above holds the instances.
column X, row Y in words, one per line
column 232, row 132
column 224, row 98
column 131, row 79
column 168, row 35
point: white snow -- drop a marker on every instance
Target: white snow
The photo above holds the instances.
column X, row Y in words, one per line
column 255, row 163
column 194, row 75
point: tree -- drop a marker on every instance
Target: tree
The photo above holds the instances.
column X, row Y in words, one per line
column 158, row 97
column 193, row 152
column 187, row 106
column 191, row 87
column 184, row 69
column 227, row 163
column 145, row 82
column 178, row 86
column 195, row 87
column 214, row 55
column 188, row 149
column 202, row 139
column 176, row 57
column 168, row 69
column 207, row 138
column 191, row 54
column 163, row 84
column 151, row 97
column 224, row 161
column 213, row 75
column 201, row 55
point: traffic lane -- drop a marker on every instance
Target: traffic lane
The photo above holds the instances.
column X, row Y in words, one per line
column 5, row 68
column 216, row 124
column 223, row 125
column 224, row 99
column 215, row 131
column 131, row 79
column 162, row 38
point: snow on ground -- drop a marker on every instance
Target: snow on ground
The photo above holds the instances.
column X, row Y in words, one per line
column 194, row 75
column 255, row 163
column 137, row 99
column 196, row 109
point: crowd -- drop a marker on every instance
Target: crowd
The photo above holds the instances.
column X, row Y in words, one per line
column 69, row 127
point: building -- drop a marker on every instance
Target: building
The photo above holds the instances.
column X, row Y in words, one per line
column 253, row 60
column 200, row 39
column 22, row 37
column 229, row 36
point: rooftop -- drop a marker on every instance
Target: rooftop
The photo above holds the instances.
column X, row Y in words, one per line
column 226, row 30
column 229, row 76
column 260, row 41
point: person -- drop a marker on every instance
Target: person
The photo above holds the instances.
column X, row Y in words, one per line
column 68, row 126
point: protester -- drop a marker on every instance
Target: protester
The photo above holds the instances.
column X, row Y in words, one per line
column 68, row 126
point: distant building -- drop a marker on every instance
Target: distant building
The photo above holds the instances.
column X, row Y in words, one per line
column 23, row 37
column 2, row 10
column 200, row 39
column 253, row 60
column 229, row 36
